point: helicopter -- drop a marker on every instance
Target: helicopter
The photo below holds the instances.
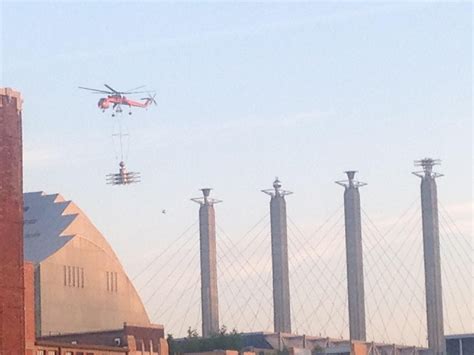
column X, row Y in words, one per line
column 115, row 99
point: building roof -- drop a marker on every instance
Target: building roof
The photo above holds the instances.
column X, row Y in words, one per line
column 275, row 341
column 460, row 336
column 44, row 224
column 256, row 340
column 143, row 335
column 50, row 222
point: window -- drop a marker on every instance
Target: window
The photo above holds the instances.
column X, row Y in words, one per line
column 51, row 352
column 115, row 282
column 112, row 281
column 73, row 276
column 40, row 352
column 68, row 353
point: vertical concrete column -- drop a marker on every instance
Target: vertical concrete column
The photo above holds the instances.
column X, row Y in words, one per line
column 207, row 235
column 431, row 252
column 354, row 257
column 12, row 304
column 279, row 237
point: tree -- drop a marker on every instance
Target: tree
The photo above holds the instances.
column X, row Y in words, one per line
column 222, row 340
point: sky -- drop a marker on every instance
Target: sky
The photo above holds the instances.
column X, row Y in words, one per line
column 246, row 92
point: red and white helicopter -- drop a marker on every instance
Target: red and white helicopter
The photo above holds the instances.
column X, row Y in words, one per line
column 115, row 99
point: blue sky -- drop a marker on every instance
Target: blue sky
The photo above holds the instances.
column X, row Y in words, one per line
column 246, row 92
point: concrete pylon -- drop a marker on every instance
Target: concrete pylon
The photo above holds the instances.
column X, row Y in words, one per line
column 281, row 282
column 431, row 252
column 207, row 236
column 12, row 299
column 354, row 257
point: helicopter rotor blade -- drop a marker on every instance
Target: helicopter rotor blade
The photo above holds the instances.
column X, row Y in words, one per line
column 111, row 89
column 132, row 92
column 138, row 87
column 96, row 90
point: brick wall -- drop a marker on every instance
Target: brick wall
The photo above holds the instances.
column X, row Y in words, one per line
column 136, row 338
column 12, row 324
column 146, row 335
column 29, row 275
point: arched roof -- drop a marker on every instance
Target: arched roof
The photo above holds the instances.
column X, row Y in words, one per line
column 50, row 222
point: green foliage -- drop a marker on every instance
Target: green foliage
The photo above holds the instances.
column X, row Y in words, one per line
column 223, row 340
column 192, row 333
column 317, row 349
column 171, row 344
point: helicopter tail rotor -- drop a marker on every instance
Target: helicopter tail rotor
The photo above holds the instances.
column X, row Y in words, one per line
column 150, row 99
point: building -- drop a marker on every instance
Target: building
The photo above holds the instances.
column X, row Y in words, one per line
column 129, row 339
column 265, row 343
column 460, row 344
column 12, row 322
column 271, row 343
column 80, row 284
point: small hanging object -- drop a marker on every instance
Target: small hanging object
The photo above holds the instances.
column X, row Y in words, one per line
column 123, row 177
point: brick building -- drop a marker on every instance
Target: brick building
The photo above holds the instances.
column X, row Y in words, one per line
column 128, row 340
column 12, row 322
